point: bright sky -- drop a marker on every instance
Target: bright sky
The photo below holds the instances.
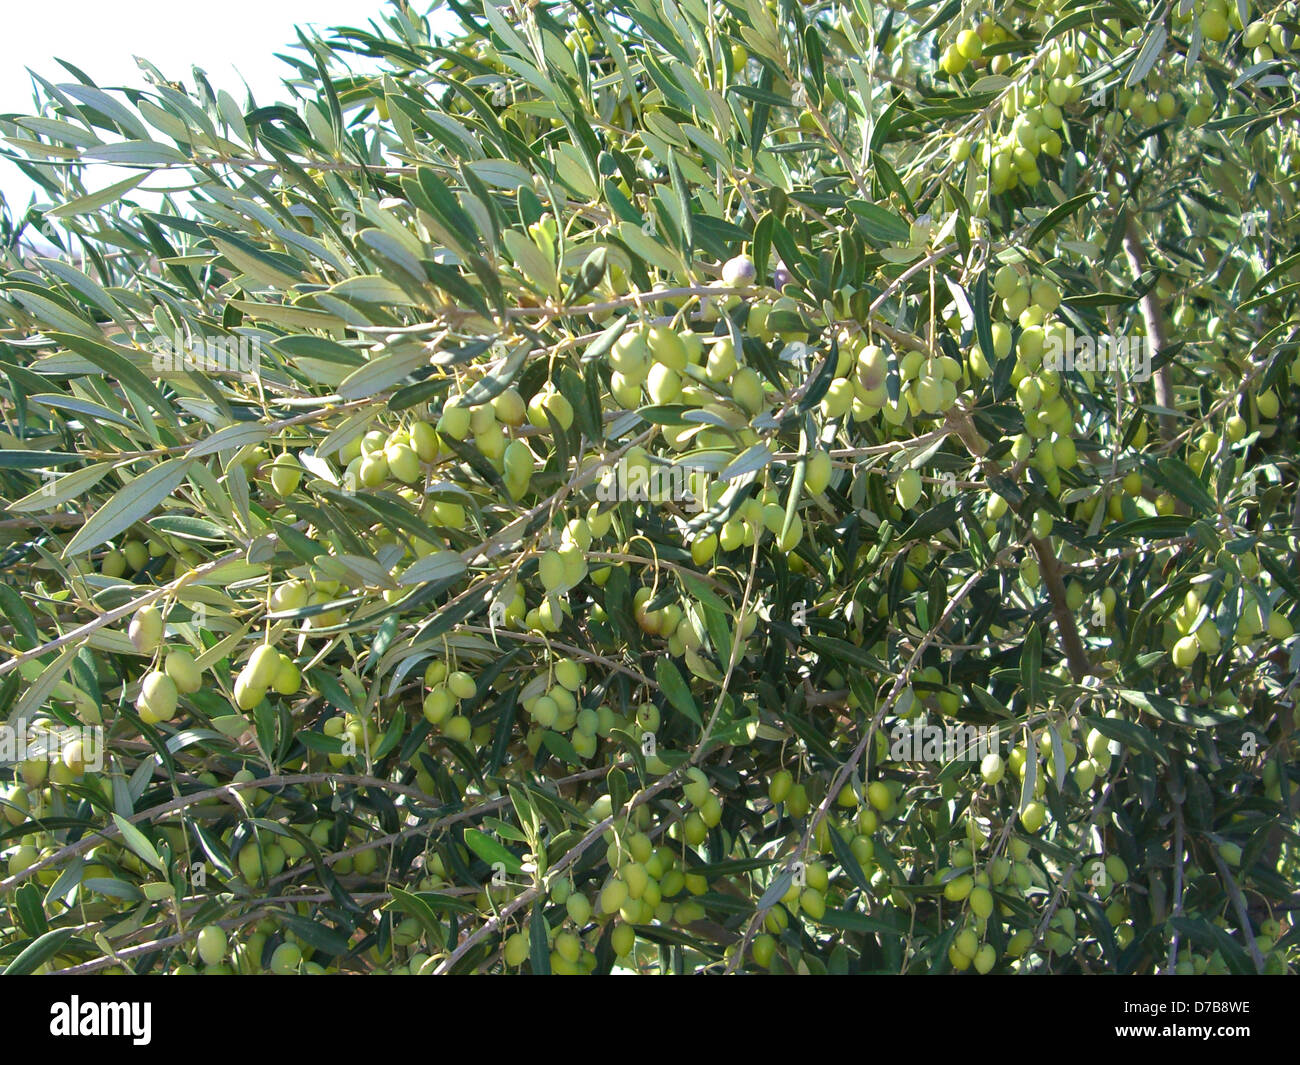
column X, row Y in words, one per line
column 232, row 42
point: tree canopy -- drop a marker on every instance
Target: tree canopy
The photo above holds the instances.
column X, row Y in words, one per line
column 675, row 485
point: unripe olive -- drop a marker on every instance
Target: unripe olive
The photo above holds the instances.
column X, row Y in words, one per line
column 879, row 795
column 561, row 409
column 635, row 877
column 146, row 629
column 212, row 944
column 136, row 555
column 958, row 887
column 403, row 463
column 374, row 470
column 747, row 389
column 623, row 939
column 813, row 903
column 22, row 859
column 797, row 802
column 612, row 896
column 454, row 422
column 578, row 907
column 247, row 695
column 458, row 729
column 262, row 666
column 158, row 697
column 780, row 785
column 424, row 439
column 288, row 678
column 908, row 489
column 568, row 946
column 113, row 564
column 286, row 474
column 551, row 571
column 694, row 830
column 285, row 959
column 462, row 685
column 509, row 408
column 1214, row 26
column 1185, row 652
column 183, row 670
column 738, row 271
column 667, row 348
column 292, row 595
column 438, row 705
column 249, row 861
column 516, row 949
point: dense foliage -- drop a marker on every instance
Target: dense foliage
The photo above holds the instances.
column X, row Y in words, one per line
column 549, row 496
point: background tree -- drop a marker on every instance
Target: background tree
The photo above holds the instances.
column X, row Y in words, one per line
column 957, row 352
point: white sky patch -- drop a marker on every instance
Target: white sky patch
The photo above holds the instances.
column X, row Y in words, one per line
column 234, row 44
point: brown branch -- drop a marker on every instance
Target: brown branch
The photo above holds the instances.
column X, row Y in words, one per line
column 1157, row 329
column 1048, row 566
column 1239, row 905
column 847, row 768
column 1050, row 569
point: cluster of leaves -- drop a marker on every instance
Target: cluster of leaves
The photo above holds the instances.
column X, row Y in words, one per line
column 346, row 376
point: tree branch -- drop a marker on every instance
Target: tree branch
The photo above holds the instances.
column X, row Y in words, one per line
column 1048, row 566
column 1157, row 329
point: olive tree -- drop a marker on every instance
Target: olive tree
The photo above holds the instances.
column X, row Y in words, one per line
column 694, row 485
